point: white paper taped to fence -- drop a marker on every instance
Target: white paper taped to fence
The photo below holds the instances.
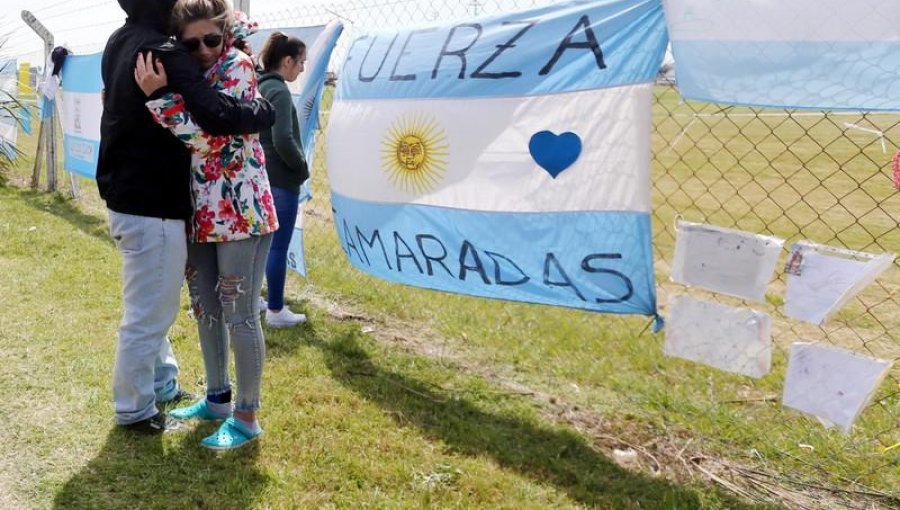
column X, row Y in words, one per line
column 729, row 261
column 822, row 279
column 737, row 340
column 831, row 384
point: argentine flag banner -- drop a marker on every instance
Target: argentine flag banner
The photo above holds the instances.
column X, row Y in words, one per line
column 822, row 54
column 81, row 108
column 311, row 85
column 9, row 117
column 505, row 157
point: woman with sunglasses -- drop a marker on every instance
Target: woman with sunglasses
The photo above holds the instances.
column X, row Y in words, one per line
column 232, row 225
column 282, row 60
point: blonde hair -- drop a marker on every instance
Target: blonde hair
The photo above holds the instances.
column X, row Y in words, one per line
column 186, row 12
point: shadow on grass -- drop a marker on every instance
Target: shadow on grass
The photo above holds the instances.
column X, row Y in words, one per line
column 554, row 456
column 67, row 210
column 139, row 472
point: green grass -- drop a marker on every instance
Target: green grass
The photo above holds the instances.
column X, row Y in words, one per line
column 350, row 422
column 603, row 364
column 419, row 413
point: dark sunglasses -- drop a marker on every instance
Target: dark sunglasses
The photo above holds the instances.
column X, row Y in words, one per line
column 211, row 41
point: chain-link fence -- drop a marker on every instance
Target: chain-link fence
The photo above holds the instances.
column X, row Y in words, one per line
column 821, row 176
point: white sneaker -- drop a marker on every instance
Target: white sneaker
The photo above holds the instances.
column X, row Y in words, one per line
column 284, row 318
column 263, row 304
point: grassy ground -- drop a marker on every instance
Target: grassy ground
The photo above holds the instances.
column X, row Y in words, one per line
column 396, row 397
column 350, row 423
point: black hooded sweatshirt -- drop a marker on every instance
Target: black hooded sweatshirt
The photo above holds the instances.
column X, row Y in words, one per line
column 143, row 169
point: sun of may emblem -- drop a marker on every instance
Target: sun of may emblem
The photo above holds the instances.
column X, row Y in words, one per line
column 414, row 153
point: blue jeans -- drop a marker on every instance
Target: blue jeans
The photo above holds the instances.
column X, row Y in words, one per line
column 286, row 204
column 153, row 256
column 224, row 280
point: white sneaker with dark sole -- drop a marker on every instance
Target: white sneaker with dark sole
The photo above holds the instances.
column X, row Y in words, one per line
column 284, row 318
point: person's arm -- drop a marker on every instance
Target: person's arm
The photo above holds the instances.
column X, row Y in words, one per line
column 287, row 147
column 170, row 111
column 215, row 112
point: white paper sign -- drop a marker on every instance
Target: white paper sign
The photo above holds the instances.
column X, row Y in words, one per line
column 821, row 280
column 732, row 262
column 831, row 384
column 737, row 340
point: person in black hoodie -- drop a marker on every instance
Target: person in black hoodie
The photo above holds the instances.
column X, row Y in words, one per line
column 143, row 175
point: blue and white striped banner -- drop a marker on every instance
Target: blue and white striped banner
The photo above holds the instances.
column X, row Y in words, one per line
column 80, row 108
column 311, row 85
column 9, row 124
column 506, row 157
column 823, row 54
column 307, row 92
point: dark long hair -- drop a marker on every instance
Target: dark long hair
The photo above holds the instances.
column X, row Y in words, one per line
column 278, row 46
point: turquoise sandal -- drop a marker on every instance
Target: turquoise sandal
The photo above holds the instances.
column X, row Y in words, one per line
column 231, row 434
column 197, row 411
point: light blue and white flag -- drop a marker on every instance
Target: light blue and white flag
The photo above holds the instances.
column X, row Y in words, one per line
column 307, row 91
column 506, row 157
column 824, row 54
column 296, row 258
column 81, row 107
column 9, row 124
column 310, row 85
column 25, row 93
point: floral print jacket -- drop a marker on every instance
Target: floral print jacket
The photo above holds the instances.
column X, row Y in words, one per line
column 230, row 189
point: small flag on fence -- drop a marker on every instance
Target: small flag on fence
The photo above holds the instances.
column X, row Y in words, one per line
column 320, row 42
column 81, row 107
column 311, row 85
column 9, row 115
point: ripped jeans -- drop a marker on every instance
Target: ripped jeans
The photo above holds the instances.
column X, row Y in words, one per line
column 225, row 280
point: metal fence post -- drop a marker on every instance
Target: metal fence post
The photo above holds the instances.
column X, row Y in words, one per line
column 242, row 5
column 47, row 130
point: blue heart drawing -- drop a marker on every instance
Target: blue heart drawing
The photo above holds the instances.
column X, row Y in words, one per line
column 555, row 153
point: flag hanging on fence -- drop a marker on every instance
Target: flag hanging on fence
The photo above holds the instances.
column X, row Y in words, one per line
column 506, row 157
column 311, row 84
column 307, row 91
column 827, row 54
column 9, row 124
column 26, row 96
column 81, row 107
column 296, row 258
